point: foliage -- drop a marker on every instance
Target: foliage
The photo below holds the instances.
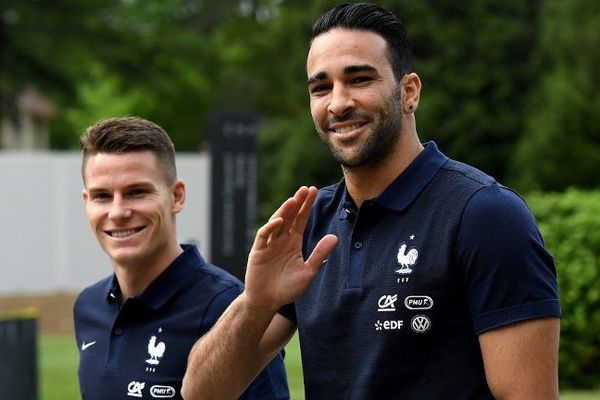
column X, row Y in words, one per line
column 564, row 125
column 484, row 65
column 474, row 58
column 570, row 224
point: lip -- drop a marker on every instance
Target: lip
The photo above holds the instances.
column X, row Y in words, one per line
column 124, row 233
column 346, row 130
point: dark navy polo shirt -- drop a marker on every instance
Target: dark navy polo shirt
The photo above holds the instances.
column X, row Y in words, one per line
column 442, row 255
column 139, row 349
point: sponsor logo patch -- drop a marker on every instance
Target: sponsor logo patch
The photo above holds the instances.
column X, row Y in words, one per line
column 387, row 302
column 420, row 323
column 134, row 389
column 418, row 302
column 388, row 325
column 162, row 392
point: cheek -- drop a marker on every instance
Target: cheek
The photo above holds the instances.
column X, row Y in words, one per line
column 92, row 214
column 318, row 110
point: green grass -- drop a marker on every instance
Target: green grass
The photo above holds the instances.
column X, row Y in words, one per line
column 58, row 371
column 58, row 360
column 293, row 367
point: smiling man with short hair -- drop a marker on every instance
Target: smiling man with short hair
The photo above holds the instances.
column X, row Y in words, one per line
column 135, row 328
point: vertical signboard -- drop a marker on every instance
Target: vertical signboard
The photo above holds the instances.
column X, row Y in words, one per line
column 18, row 357
column 233, row 136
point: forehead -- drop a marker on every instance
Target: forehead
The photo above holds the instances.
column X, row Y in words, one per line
column 122, row 168
column 335, row 49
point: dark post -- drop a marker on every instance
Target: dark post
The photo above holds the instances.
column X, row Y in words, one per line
column 18, row 356
column 233, row 136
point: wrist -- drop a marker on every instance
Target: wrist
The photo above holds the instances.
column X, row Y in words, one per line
column 258, row 307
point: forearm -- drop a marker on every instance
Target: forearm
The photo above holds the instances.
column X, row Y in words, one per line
column 224, row 362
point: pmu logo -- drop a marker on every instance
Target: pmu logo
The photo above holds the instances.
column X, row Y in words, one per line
column 162, row 392
column 418, row 302
column 420, row 323
column 392, row 325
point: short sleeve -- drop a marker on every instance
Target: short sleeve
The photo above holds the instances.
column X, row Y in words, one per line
column 289, row 311
column 217, row 306
column 509, row 275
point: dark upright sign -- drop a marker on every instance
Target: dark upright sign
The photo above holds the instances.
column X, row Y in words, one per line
column 233, row 136
column 18, row 357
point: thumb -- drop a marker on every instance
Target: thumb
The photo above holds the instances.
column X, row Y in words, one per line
column 320, row 252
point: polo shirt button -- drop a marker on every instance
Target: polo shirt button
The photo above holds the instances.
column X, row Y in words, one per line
column 118, row 331
column 357, row 245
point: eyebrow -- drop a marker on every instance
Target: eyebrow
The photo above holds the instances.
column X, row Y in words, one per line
column 319, row 76
column 348, row 70
column 136, row 185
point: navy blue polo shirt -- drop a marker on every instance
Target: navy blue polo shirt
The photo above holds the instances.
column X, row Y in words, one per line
column 442, row 255
column 139, row 349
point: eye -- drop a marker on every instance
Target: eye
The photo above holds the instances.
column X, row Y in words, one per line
column 100, row 196
column 137, row 192
column 317, row 89
column 361, row 79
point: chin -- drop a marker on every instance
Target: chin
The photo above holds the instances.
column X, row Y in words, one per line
column 125, row 258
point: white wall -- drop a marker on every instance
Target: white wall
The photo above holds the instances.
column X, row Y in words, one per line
column 46, row 244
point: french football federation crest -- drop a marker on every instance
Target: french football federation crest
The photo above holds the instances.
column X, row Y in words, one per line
column 406, row 259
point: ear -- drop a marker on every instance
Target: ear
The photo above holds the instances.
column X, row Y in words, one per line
column 85, row 195
column 178, row 193
column 411, row 92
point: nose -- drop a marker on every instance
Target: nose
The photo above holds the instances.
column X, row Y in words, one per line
column 341, row 101
column 119, row 209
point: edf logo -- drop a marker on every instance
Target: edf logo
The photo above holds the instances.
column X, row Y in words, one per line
column 392, row 325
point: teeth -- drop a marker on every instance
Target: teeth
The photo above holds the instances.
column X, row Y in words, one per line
column 121, row 234
column 347, row 128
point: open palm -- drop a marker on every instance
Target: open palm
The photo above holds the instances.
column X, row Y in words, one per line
column 277, row 273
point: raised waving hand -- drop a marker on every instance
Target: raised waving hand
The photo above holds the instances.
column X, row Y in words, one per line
column 277, row 273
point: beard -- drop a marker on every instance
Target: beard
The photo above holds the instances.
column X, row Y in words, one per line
column 380, row 143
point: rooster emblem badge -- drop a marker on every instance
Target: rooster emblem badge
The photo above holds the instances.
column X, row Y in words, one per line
column 406, row 260
column 156, row 351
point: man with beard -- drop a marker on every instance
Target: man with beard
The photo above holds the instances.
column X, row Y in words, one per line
column 425, row 278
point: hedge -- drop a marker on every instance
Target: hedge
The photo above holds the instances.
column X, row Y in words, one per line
column 570, row 224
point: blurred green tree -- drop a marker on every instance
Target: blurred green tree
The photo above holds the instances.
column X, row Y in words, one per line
column 560, row 147
column 474, row 59
column 171, row 61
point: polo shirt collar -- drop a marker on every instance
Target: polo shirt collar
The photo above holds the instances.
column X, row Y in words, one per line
column 407, row 186
column 167, row 283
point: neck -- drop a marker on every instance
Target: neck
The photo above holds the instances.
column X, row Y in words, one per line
column 135, row 277
column 369, row 181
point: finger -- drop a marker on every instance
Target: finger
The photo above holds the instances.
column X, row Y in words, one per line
column 289, row 214
column 289, row 207
column 281, row 208
column 263, row 234
column 320, row 252
column 302, row 217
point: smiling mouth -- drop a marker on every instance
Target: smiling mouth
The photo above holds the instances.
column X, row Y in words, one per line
column 346, row 129
column 124, row 232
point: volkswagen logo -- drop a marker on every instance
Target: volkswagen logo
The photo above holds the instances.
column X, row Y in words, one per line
column 420, row 323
